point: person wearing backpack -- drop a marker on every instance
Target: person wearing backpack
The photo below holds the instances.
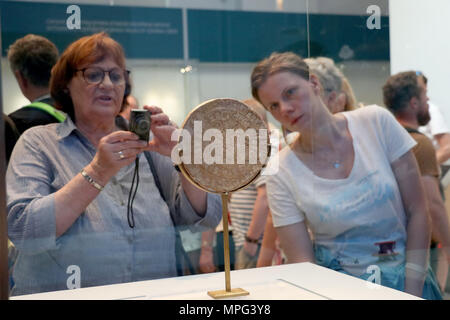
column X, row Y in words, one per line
column 31, row 59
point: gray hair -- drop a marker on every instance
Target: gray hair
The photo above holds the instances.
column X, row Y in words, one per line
column 330, row 77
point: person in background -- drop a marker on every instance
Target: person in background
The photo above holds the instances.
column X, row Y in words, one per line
column 437, row 129
column 270, row 253
column 200, row 250
column 439, row 132
column 68, row 184
column 248, row 212
column 337, row 92
column 350, row 178
column 350, row 99
column 209, row 260
column 405, row 95
column 130, row 104
column 123, row 118
column 213, row 244
column 11, row 136
column 31, row 59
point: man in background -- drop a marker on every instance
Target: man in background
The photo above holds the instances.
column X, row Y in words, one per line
column 31, row 59
column 436, row 129
column 439, row 133
column 405, row 94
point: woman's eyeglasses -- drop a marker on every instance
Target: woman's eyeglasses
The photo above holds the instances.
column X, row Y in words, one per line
column 94, row 75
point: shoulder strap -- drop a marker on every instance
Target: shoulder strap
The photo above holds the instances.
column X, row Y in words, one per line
column 155, row 175
column 49, row 109
column 411, row 130
column 179, row 249
column 12, row 125
column 11, row 136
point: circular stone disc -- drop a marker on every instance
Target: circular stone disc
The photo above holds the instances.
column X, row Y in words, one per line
column 225, row 120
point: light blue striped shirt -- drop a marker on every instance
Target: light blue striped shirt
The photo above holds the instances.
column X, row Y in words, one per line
column 99, row 245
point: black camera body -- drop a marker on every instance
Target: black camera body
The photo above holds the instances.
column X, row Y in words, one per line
column 140, row 122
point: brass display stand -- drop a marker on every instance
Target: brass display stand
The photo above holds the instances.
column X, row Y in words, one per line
column 228, row 292
column 221, row 115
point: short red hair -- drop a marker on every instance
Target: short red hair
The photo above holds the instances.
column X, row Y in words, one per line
column 82, row 52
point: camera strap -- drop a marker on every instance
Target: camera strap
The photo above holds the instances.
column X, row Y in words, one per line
column 180, row 253
column 132, row 194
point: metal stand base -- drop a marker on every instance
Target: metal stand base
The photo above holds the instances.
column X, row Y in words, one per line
column 228, row 292
column 237, row 292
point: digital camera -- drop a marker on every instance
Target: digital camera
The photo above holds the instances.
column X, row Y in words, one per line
column 140, row 123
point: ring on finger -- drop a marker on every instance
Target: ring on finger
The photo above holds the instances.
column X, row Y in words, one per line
column 121, row 155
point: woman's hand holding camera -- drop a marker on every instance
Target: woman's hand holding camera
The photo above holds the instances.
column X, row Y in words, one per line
column 162, row 129
column 120, row 148
column 115, row 151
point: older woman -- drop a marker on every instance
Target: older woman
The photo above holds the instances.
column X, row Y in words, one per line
column 68, row 184
column 351, row 178
column 337, row 93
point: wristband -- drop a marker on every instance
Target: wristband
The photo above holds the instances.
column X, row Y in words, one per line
column 250, row 240
column 88, row 178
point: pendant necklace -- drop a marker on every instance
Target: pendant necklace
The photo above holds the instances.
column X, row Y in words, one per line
column 336, row 163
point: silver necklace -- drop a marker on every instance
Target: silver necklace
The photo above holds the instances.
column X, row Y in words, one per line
column 336, row 163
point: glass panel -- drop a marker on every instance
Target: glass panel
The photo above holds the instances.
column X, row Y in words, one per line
column 356, row 205
column 71, row 230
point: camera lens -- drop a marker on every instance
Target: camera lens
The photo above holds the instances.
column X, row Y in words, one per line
column 143, row 126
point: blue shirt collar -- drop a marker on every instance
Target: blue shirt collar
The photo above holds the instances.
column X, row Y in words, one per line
column 65, row 128
column 68, row 126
